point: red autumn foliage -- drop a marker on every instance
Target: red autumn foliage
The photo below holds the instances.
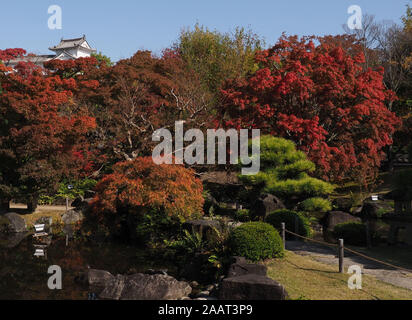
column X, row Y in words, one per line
column 136, row 97
column 40, row 128
column 140, row 185
column 320, row 97
column 9, row 54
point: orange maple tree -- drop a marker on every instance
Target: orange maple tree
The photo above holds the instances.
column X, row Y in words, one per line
column 137, row 186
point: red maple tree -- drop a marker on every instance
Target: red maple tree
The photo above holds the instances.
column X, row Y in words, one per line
column 40, row 129
column 321, row 97
column 134, row 98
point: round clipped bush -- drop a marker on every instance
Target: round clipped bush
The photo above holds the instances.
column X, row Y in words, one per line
column 256, row 241
column 353, row 233
column 290, row 217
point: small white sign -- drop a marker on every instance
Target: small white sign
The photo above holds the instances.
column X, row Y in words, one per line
column 39, row 253
column 375, row 198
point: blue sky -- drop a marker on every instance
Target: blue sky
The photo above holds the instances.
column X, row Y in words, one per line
column 120, row 28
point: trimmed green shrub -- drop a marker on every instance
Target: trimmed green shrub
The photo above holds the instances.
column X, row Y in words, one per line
column 316, row 205
column 285, row 172
column 353, row 233
column 289, row 218
column 256, row 241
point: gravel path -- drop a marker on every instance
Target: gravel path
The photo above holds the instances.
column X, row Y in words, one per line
column 328, row 255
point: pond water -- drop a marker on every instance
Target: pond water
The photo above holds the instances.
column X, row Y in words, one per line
column 24, row 276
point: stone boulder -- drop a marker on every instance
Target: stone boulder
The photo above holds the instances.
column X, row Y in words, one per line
column 16, row 223
column 241, row 268
column 332, row 218
column 12, row 240
column 251, row 287
column 72, row 217
column 202, row 226
column 375, row 209
column 154, row 287
column 98, row 278
column 113, row 288
column 138, row 286
column 266, row 204
column 69, row 230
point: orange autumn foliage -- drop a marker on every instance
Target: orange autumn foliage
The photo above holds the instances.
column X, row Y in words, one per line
column 141, row 184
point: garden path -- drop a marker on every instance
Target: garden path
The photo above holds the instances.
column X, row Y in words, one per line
column 328, row 255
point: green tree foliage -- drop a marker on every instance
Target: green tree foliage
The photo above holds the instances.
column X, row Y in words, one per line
column 71, row 190
column 407, row 18
column 285, row 172
column 256, row 241
column 217, row 56
column 316, row 204
column 100, row 57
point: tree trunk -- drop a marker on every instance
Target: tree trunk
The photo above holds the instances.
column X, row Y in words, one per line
column 32, row 204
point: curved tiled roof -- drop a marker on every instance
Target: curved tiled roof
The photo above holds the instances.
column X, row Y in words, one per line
column 70, row 43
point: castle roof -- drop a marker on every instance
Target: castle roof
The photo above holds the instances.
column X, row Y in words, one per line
column 72, row 43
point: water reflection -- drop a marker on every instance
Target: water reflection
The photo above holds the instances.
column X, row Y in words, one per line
column 24, row 264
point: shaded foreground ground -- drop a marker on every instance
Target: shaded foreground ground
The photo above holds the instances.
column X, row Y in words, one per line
column 309, row 271
column 304, row 277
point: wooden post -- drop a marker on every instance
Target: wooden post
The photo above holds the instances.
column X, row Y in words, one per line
column 67, row 240
column 283, row 235
column 50, row 225
column 340, row 254
column 67, row 203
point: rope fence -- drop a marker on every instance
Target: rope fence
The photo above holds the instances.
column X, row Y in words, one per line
column 341, row 250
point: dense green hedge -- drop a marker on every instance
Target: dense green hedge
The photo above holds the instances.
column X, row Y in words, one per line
column 256, row 241
column 353, row 233
column 289, row 218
